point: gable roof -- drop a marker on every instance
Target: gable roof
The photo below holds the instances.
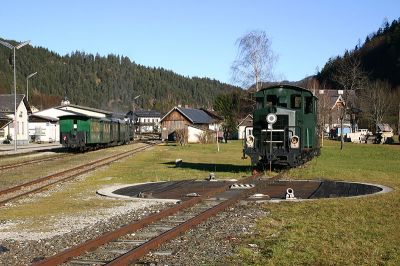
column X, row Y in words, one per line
column 195, row 116
column 247, row 121
column 334, row 97
column 212, row 114
column 4, row 120
column 7, row 102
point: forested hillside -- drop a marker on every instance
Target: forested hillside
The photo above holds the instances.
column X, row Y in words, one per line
column 379, row 56
column 109, row 83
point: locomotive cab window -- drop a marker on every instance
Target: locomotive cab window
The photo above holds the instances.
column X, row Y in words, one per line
column 272, row 100
column 295, row 101
column 308, row 105
column 282, row 101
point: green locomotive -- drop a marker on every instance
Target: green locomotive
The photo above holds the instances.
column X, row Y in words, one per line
column 285, row 130
column 81, row 132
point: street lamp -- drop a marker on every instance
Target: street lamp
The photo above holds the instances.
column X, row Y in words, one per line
column 27, row 84
column 12, row 47
column 133, row 113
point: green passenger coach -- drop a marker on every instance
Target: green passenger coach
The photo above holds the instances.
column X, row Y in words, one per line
column 80, row 132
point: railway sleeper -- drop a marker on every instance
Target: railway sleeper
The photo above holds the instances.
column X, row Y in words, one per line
column 160, row 227
column 87, row 262
column 136, row 242
column 146, row 235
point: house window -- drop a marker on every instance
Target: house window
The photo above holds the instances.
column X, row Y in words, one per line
column 21, row 114
column 1, row 133
column 23, row 129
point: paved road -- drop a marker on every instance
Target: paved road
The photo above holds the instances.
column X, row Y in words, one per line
column 8, row 149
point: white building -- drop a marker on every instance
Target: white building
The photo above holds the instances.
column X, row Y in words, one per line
column 245, row 127
column 43, row 129
column 146, row 121
column 20, row 124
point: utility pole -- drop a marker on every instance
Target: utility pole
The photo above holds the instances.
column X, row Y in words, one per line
column 398, row 126
column 16, row 47
column 27, row 84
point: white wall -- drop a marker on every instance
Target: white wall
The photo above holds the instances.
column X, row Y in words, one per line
column 242, row 134
column 21, row 126
column 149, row 128
column 44, row 131
column 193, row 134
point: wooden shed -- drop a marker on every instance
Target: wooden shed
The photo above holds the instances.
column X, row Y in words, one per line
column 181, row 119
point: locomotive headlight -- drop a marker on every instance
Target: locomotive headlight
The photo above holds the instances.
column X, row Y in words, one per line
column 271, row 118
column 250, row 141
column 294, row 142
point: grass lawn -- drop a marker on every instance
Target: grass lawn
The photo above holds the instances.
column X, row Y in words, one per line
column 324, row 232
column 345, row 231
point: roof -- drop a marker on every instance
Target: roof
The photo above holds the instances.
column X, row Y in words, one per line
column 333, row 96
column 7, row 102
column 384, row 128
column 37, row 118
column 145, row 113
column 195, row 116
column 213, row 114
column 4, row 120
column 65, row 107
column 247, row 121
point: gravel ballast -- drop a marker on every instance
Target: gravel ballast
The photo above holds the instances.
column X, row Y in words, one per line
column 208, row 243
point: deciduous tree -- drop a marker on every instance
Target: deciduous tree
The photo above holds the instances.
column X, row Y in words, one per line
column 376, row 101
column 350, row 77
column 254, row 61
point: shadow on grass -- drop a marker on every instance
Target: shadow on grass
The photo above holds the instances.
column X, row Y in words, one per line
column 210, row 167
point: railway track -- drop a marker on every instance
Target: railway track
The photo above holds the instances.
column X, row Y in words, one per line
column 33, row 186
column 34, row 161
column 127, row 244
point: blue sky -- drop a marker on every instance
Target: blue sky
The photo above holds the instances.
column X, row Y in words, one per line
column 197, row 38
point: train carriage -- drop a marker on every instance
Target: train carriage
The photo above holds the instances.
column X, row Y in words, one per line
column 285, row 127
column 81, row 132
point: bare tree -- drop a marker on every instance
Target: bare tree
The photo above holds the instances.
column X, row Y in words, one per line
column 254, row 61
column 350, row 74
column 181, row 136
column 324, row 108
column 350, row 77
column 376, row 101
